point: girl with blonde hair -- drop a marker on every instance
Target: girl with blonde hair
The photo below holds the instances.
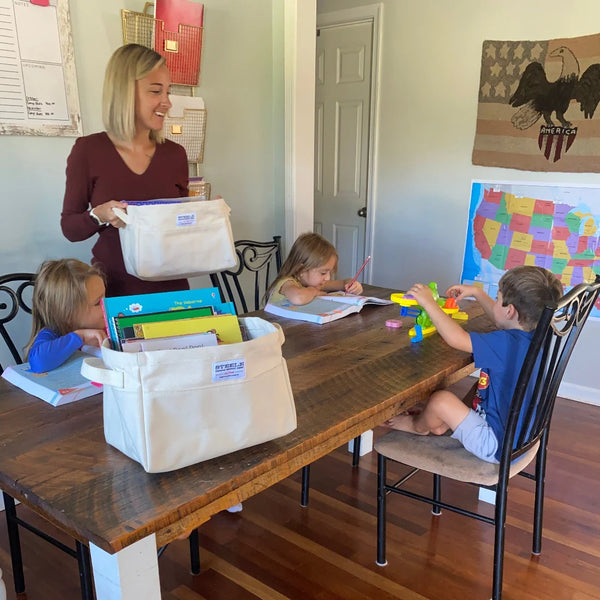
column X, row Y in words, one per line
column 67, row 312
column 306, row 272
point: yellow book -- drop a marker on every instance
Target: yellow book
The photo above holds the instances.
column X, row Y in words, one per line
column 226, row 327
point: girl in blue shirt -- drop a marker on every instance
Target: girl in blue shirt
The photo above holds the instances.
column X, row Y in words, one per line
column 67, row 312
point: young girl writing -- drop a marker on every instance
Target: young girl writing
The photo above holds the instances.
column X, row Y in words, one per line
column 306, row 273
column 67, row 312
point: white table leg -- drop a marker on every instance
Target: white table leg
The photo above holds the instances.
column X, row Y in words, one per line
column 366, row 443
column 130, row 574
column 486, row 495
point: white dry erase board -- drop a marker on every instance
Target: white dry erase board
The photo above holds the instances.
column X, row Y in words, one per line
column 38, row 87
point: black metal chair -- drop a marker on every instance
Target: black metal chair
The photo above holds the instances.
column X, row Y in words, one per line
column 263, row 261
column 15, row 290
column 544, row 366
column 258, row 265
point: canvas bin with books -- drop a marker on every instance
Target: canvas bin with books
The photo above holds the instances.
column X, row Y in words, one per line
column 169, row 409
column 176, row 238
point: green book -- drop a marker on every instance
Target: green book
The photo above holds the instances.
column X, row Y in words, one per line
column 128, row 326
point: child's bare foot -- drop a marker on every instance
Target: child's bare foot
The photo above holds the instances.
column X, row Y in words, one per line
column 403, row 423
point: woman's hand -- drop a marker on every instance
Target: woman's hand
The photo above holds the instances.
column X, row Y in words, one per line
column 106, row 214
column 92, row 337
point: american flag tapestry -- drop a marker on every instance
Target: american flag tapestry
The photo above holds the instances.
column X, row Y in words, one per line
column 538, row 105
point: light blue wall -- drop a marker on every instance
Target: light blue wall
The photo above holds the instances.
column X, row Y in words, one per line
column 241, row 82
column 430, row 67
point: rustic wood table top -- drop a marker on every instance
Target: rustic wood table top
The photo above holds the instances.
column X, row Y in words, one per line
column 347, row 376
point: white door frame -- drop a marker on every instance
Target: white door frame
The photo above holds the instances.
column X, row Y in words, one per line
column 300, row 36
column 301, row 22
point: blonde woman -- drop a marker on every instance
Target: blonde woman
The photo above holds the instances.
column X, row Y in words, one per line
column 131, row 160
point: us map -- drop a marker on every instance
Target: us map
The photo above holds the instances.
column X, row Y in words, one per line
column 552, row 226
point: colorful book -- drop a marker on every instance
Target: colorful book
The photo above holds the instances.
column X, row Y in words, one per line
column 123, row 306
column 60, row 386
column 323, row 309
column 129, row 327
column 226, row 327
column 180, row 342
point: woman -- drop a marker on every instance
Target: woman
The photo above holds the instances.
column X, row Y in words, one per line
column 131, row 160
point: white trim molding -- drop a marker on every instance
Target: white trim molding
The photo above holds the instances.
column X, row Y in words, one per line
column 300, row 18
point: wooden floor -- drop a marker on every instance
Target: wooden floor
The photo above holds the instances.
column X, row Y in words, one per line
column 275, row 549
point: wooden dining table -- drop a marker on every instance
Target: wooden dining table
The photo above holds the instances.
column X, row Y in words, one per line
column 347, row 377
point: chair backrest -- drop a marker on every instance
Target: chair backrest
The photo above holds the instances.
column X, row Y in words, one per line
column 258, row 265
column 15, row 296
column 549, row 352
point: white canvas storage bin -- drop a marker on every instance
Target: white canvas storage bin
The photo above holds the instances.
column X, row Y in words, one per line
column 168, row 409
column 178, row 239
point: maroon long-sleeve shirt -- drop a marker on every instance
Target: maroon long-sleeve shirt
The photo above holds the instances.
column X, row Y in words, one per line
column 96, row 173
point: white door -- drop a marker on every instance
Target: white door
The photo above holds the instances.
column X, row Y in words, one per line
column 343, row 96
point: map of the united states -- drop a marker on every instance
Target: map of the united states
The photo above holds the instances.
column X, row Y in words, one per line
column 512, row 225
column 511, row 231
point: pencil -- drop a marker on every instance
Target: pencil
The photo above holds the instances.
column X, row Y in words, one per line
column 359, row 271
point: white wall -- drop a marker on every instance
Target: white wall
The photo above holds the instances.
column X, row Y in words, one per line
column 241, row 82
column 430, row 67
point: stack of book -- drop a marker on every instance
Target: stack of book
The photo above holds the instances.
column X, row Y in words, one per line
column 162, row 321
column 170, row 320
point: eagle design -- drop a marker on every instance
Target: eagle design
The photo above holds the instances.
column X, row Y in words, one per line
column 539, row 97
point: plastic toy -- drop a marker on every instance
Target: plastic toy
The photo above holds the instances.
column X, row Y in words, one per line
column 423, row 325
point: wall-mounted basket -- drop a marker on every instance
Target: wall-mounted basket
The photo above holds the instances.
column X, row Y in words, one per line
column 185, row 124
column 182, row 48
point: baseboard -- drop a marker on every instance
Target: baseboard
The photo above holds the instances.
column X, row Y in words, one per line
column 579, row 393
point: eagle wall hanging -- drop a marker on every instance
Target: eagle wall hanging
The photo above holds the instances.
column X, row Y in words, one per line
column 538, row 105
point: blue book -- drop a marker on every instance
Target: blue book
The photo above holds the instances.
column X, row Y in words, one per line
column 60, row 386
column 139, row 304
column 158, row 201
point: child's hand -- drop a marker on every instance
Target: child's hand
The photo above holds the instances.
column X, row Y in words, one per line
column 422, row 294
column 460, row 291
column 92, row 337
column 356, row 287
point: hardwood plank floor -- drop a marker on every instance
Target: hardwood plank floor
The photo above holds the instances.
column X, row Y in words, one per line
column 276, row 550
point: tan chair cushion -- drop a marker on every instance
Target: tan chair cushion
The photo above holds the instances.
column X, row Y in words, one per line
column 445, row 456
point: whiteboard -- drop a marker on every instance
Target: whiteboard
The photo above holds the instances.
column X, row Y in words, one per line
column 38, row 83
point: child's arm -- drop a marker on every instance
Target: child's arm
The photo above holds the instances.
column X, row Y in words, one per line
column 447, row 327
column 460, row 291
column 339, row 285
column 298, row 294
column 50, row 351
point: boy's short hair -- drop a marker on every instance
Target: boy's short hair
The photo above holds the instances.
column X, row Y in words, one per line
column 529, row 289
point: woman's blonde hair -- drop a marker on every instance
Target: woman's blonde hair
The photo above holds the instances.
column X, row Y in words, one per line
column 59, row 294
column 128, row 64
column 309, row 251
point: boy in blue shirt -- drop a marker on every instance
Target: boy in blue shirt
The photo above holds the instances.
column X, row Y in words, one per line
column 523, row 292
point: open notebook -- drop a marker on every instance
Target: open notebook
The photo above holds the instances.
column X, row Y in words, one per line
column 323, row 308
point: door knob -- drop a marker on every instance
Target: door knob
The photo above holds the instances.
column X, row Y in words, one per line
column 362, row 212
